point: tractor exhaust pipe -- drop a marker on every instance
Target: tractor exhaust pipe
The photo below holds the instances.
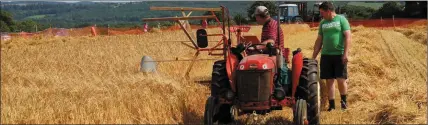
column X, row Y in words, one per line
column 279, row 92
column 279, row 56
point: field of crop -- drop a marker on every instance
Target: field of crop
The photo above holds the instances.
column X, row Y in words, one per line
column 96, row 80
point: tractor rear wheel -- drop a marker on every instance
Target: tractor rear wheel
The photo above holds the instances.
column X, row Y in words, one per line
column 300, row 112
column 219, row 79
column 308, row 89
column 219, row 85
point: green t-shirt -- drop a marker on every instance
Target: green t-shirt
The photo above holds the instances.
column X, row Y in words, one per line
column 332, row 35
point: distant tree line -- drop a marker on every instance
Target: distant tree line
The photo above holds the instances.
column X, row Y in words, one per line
column 411, row 9
column 39, row 16
column 8, row 24
column 64, row 15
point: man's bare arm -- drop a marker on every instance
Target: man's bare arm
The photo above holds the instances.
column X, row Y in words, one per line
column 347, row 44
column 268, row 41
column 317, row 47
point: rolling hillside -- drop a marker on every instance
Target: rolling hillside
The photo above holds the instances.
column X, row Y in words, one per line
column 66, row 15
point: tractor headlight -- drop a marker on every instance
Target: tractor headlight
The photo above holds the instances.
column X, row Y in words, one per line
column 241, row 67
column 279, row 94
column 264, row 66
column 229, row 95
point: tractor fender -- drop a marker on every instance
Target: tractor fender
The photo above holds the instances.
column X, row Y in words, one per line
column 297, row 64
column 231, row 63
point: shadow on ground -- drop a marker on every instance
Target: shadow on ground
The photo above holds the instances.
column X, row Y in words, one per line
column 278, row 121
column 191, row 117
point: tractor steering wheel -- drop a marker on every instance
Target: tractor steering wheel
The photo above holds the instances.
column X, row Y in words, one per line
column 260, row 48
column 257, row 48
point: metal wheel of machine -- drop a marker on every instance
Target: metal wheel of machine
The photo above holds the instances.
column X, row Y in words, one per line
column 235, row 112
column 308, row 89
column 300, row 112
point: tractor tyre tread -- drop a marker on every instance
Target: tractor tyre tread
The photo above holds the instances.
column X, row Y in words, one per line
column 209, row 111
column 219, row 84
column 219, row 79
column 308, row 89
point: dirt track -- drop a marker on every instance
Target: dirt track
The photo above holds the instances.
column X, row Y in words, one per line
column 95, row 79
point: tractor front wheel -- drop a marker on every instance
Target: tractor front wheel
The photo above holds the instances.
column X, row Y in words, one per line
column 219, row 85
column 217, row 113
column 308, row 89
column 209, row 111
column 300, row 112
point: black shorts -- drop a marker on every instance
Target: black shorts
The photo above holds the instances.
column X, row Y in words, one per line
column 332, row 67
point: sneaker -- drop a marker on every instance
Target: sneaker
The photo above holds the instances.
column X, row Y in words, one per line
column 331, row 105
column 329, row 109
column 343, row 105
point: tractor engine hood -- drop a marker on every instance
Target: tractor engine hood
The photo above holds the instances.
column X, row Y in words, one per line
column 257, row 62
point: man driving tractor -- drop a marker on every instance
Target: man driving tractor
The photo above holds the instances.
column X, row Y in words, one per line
column 269, row 40
column 269, row 30
column 269, row 37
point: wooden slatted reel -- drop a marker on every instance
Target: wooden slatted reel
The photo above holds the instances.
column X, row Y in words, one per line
column 184, row 25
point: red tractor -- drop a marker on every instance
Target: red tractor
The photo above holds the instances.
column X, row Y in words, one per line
column 252, row 77
column 260, row 82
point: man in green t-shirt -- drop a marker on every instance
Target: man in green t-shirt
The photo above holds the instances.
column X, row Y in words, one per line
column 334, row 38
